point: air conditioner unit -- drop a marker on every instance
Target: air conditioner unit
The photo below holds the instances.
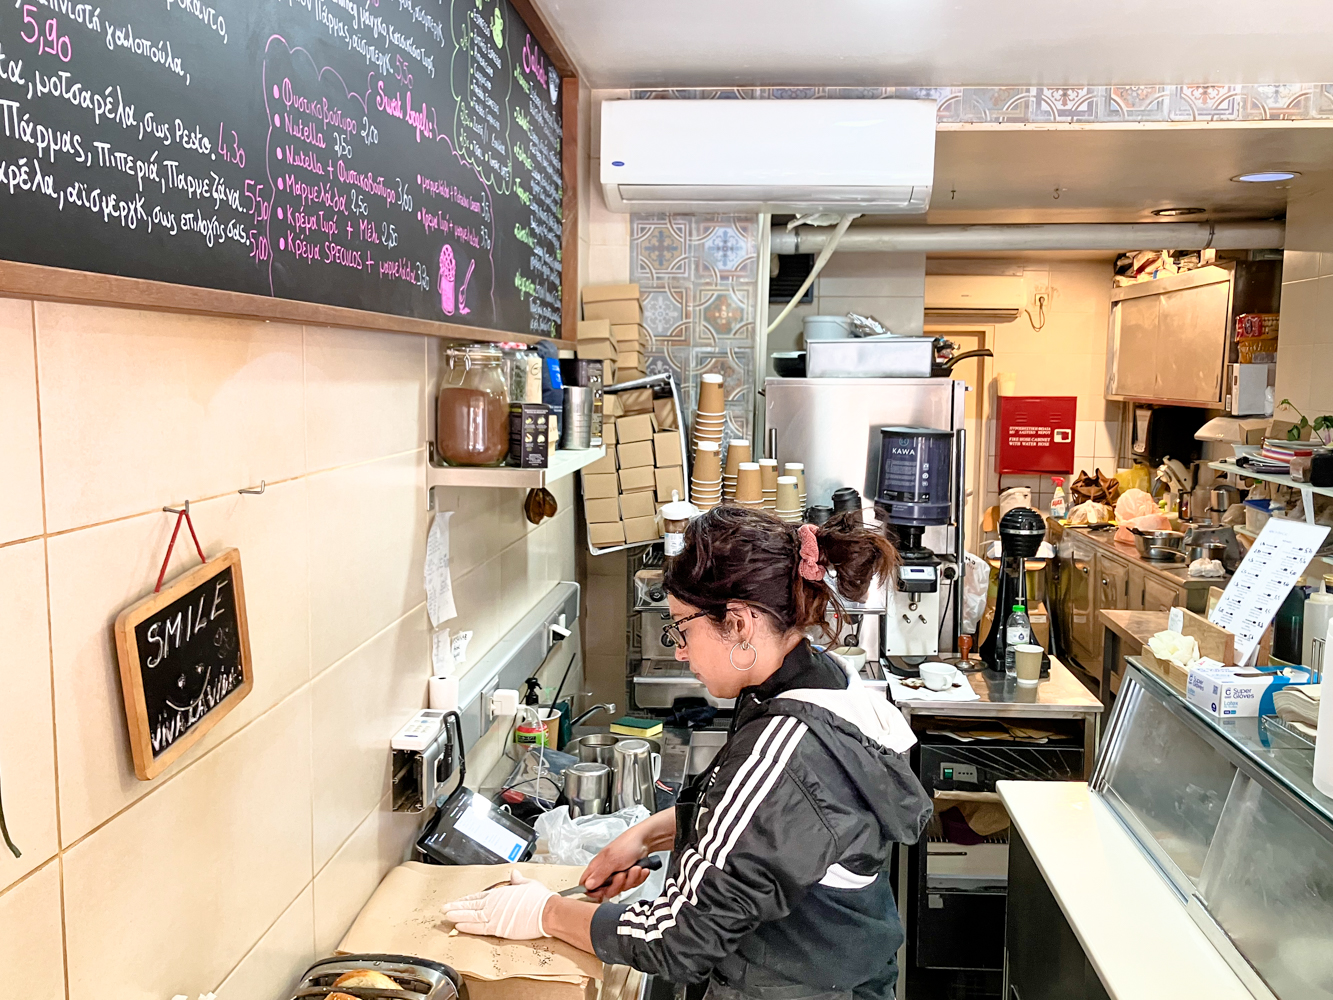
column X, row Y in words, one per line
column 870, row 156
column 974, row 298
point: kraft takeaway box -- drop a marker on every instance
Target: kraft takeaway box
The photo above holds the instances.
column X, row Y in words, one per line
column 630, row 334
column 598, row 350
column 639, row 427
column 617, row 311
column 641, row 478
column 636, row 400
column 640, row 504
column 599, row 486
column 602, row 511
column 633, row 454
column 595, row 329
column 642, row 529
column 666, row 449
column 601, row 293
column 668, row 480
column 605, row 464
column 603, row 535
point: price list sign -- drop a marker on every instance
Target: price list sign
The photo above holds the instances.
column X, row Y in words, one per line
column 398, row 156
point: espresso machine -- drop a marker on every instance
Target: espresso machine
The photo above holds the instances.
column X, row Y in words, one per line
column 1022, row 531
column 901, row 443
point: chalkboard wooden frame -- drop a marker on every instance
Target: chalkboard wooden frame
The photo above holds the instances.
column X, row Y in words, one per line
column 54, row 284
column 146, row 766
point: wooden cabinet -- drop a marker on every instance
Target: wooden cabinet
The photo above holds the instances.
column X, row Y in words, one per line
column 1078, row 601
column 1114, row 575
column 1159, row 595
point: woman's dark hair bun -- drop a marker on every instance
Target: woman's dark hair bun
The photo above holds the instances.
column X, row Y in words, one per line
column 734, row 553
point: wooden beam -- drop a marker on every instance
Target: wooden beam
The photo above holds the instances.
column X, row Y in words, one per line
column 569, row 210
column 564, row 66
column 58, row 284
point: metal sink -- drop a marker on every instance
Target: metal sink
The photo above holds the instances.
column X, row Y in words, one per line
column 704, row 745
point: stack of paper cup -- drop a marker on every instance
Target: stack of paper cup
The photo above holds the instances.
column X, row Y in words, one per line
column 710, row 415
column 797, row 469
column 738, row 451
column 788, row 504
column 706, row 477
column 749, row 489
column 768, row 481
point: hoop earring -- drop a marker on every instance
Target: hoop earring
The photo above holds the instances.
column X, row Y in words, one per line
column 731, row 656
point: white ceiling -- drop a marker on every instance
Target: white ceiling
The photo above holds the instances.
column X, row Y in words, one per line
column 700, row 43
column 1120, row 173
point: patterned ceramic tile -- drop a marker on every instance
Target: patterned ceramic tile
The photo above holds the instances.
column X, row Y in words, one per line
column 697, row 277
column 1023, row 104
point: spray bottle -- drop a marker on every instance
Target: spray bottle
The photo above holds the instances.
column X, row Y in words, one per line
column 1059, row 506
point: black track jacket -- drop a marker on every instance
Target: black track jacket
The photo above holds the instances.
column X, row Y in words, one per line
column 780, row 844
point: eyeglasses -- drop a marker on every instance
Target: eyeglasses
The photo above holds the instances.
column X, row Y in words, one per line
column 671, row 633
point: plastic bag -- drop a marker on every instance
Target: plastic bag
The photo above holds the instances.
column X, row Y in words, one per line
column 1135, row 503
column 1182, row 650
column 1148, row 522
column 1098, row 487
column 576, row 841
column 1089, row 512
column 976, row 581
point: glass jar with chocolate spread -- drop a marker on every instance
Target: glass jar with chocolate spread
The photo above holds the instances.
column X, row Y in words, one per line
column 473, row 425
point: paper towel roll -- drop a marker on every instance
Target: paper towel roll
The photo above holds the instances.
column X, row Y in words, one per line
column 1323, row 752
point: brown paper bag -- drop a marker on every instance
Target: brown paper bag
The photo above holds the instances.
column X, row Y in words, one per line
column 404, row 917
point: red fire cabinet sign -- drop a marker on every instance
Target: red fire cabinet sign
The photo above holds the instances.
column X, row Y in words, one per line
column 1035, row 434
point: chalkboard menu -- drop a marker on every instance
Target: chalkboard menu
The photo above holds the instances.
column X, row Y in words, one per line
column 399, row 156
column 184, row 661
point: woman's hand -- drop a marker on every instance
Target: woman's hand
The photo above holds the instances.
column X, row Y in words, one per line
column 512, row 911
column 656, row 833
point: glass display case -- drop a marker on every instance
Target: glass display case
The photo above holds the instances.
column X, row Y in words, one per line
column 1228, row 813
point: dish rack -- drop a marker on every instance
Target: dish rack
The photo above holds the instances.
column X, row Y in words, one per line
column 419, row 978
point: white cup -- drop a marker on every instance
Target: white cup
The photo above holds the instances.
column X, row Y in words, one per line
column 851, row 657
column 938, row 676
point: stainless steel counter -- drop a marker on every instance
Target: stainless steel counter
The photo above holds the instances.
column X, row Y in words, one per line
column 1175, row 573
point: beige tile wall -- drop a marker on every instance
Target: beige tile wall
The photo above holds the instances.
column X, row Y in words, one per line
column 1305, row 344
column 1067, row 357
column 604, row 240
column 252, row 854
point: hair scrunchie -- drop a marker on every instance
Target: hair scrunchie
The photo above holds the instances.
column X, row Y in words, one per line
column 809, row 565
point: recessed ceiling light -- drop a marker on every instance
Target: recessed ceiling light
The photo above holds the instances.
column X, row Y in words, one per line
column 1168, row 213
column 1266, row 176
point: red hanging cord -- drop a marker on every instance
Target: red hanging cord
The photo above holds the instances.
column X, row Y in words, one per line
column 183, row 514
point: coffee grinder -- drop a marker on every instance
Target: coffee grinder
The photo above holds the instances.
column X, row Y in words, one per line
column 1022, row 531
column 914, row 492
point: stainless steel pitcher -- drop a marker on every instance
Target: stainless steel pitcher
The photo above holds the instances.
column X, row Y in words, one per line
column 637, row 769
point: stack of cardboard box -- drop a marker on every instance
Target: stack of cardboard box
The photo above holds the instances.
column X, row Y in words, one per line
column 623, row 338
column 623, row 492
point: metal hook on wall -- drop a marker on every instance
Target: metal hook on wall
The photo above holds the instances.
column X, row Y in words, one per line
column 177, row 510
column 254, row 493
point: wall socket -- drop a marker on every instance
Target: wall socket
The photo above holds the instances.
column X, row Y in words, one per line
column 1050, row 292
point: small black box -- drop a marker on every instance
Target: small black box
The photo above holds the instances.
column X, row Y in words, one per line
column 529, row 425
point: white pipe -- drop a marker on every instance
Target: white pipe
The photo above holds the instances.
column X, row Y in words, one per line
column 1052, row 236
column 825, row 253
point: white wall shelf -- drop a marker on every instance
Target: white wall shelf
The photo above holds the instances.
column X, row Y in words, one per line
column 562, row 463
column 1307, row 491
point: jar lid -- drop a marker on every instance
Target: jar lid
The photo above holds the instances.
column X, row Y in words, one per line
column 680, row 510
column 474, row 354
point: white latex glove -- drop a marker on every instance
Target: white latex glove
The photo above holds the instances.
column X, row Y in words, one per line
column 511, row 911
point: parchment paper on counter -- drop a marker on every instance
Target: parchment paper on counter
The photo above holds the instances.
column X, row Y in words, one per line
column 403, row 917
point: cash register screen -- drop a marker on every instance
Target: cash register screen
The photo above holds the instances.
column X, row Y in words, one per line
column 477, row 824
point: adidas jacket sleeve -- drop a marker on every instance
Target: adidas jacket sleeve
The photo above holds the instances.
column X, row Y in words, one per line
column 761, row 844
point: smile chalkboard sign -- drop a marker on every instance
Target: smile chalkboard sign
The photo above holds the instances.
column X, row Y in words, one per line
column 184, row 661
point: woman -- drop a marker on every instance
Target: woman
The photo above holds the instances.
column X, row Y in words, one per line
column 776, row 889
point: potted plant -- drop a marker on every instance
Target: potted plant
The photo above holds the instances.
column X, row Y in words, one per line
column 1320, row 427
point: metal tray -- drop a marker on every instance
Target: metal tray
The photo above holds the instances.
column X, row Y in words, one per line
column 870, row 357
